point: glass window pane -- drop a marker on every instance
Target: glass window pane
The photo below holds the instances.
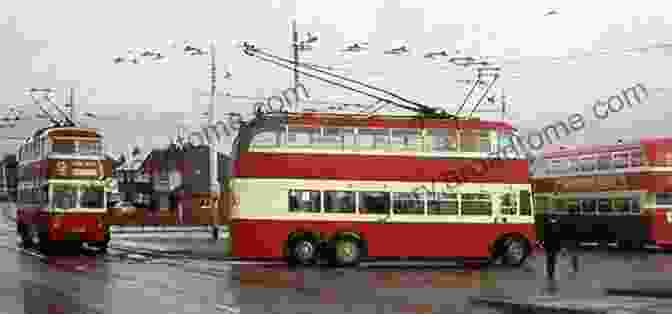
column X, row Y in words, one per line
column 634, row 205
column 407, row 203
column 406, row 139
column 604, row 162
column 63, row 148
column 331, row 136
column 348, row 137
column 476, row 204
column 373, row 138
column 508, row 204
column 603, row 206
column 92, row 198
column 620, row 205
column 525, row 206
column 64, row 197
column 588, row 164
column 374, row 203
column 441, row 203
column 620, row 161
column 588, row 206
column 304, row 201
column 664, row 198
column 475, row 140
column 267, row 138
column 339, row 202
column 443, row 140
column 302, row 136
column 636, row 159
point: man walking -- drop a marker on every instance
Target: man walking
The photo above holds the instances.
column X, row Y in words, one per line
column 552, row 244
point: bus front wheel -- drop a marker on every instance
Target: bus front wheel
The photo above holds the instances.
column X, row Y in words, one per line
column 302, row 251
column 515, row 251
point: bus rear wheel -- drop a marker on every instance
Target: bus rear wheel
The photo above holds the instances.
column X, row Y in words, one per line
column 515, row 251
column 346, row 252
column 302, row 252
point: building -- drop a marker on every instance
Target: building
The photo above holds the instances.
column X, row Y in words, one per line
column 134, row 185
column 180, row 184
column 8, row 177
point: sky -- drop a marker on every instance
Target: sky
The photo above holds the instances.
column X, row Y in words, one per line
column 72, row 43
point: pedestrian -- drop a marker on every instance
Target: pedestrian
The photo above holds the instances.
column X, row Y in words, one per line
column 552, row 244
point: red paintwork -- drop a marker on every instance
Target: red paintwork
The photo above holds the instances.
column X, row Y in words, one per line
column 358, row 167
column 69, row 222
column 661, row 230
column 265, row 238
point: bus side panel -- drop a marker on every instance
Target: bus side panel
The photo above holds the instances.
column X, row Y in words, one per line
column 661, row 228
column 265, row 238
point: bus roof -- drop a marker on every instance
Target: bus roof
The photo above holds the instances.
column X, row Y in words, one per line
column 566, row 151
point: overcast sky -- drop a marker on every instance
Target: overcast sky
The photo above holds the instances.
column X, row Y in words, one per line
column 72, row 43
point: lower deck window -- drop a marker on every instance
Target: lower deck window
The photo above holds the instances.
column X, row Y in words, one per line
column 443, row 204
column 476, row 204
column 406, row 203
column 508, row 204
column 304, row 201
column 664, row 198
column 92, row 198
column 374, row 203
column 339, row 202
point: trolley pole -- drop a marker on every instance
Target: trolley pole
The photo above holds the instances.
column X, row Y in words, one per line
column 214, row 173
column 295, row 46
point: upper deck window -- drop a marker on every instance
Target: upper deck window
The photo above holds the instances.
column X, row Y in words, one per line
column 331, row 137
column 636, row 158
column 90, row 148
column 604, row 162
column 476, row 204
column 302, row 136
column 373, row 138
column 266, row 139
column 475, row 140
column 588, row 163
column 374, row 203
column 664, row 198
column 63, row 147
column 620, row 160
column 441, row 203
column 444, row 140
column 405, row 139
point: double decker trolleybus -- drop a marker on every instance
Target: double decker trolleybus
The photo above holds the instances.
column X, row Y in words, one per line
column 610, row 193
column 341, row 187
column 63, row 177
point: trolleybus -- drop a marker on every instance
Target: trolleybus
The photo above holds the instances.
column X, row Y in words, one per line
column 342, row 187
column 610, row 193
column 62, row 179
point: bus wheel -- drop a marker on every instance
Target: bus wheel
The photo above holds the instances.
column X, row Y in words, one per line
column 303, row 251
column 346, row 252
column 516, row 251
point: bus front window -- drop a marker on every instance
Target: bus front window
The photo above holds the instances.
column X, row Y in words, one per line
column 92, row 198
column 64, row 196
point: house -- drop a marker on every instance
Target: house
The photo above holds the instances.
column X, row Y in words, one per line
column 134, row 185
column 8, row 177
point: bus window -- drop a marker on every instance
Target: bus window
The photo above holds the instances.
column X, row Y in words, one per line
column 332, row 137
column 266, row 139
column 476, row 204
column 664, row 198
column 634, row 205
column 588, row 164
column 620, row 160
column 406, row 203
column 603, row 206
column 304, row 201
column 559, row 205
column 508, row 204
column 373, row 138
column 441, row 203
column 92, row 197
column 63, row 147
column 339, row 202
column 574, row 165
column 90, row 148
column 404, row 139
column 443, row 140
column 541, row 203
column 636, row 158
column 64, row 196
column 573, row 206
column 588, row 206
column 349, row 138
column 374, row 203
column 302, row 137
column 604, row 162
column 621, row 205
column 475, row 140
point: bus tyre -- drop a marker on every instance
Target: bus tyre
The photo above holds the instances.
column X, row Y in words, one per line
column 302, row 252
column 516, row 250
column 346, row 252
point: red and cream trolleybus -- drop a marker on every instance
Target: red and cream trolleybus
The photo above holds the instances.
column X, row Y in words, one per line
column 610, row 193
column 342, row 187
column 62, row 180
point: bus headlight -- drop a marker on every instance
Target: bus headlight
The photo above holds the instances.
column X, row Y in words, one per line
column 56, row 222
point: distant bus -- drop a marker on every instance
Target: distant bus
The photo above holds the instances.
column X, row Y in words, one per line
column 342, row 187
column 610, row 193
column 62, row 180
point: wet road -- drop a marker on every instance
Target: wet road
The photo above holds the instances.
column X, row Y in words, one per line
column 127, row 283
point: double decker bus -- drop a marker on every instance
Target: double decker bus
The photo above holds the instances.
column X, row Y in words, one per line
column 342, row 187
column 610, row 193
column 62, row 182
